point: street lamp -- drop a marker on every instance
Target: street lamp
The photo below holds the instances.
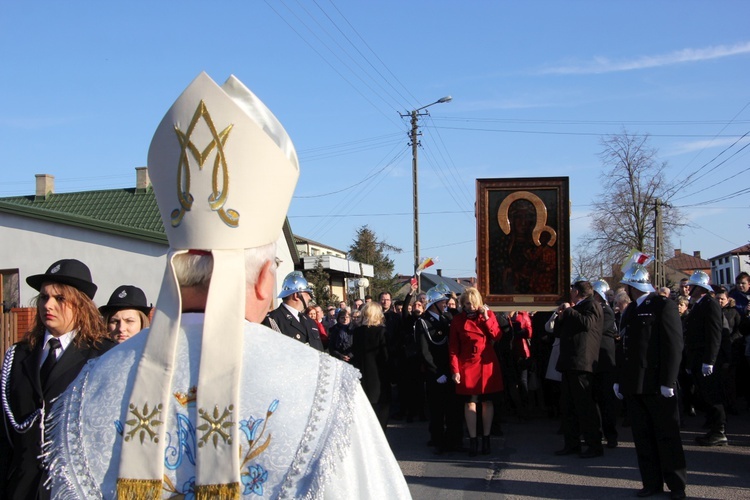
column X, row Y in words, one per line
column 415, row 114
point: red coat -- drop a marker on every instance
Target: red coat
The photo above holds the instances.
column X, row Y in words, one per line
column 323, row 334
column 472, row 355
column 522, row 329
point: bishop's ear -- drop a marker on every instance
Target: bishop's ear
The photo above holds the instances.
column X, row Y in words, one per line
column 265, row 283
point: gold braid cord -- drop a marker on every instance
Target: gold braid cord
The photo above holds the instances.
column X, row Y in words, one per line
column 138, row 489
column 229, row 491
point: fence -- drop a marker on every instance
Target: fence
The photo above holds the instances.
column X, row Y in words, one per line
column 13, row 325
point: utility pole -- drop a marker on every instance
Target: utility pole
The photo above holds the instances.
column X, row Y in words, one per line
column 414, row 139
column 659, row 275
column 415, row 190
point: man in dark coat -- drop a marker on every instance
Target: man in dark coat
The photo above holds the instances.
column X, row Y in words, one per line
column 67, row 333
column 394, row 336
column 652, row 351
column 605, row 367
column 702, row 344
column 579, row 325
column 432, row 330
column 289, row 318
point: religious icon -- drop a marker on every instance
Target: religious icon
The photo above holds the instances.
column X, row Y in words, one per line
column 522, row 235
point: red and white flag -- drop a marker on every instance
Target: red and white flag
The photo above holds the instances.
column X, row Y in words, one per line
column 429, row 261
column 636, row 258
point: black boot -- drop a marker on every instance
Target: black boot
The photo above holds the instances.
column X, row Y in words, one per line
column 485, row 445
column 472, row 447
column 713, row 438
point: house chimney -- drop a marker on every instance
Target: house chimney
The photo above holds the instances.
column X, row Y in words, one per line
column 697, row 254
column 439, row 272
column 45, row 184
column 677, row 252
column 142, row 182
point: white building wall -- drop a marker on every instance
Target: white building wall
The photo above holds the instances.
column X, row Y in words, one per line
column 32, row 245
column 726, row 267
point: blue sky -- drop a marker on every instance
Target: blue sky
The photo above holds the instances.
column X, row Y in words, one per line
column 535, row 87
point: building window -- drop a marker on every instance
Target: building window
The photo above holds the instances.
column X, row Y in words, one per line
column 10, row 292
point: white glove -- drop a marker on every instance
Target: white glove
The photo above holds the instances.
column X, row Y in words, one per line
column 707, row 369
column 442, row 379
column 616, row 388
column 667, row 392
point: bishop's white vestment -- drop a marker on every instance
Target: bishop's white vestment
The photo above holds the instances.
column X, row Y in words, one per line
column 308, row 430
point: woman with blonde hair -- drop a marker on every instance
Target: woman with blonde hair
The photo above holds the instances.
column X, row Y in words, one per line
column 474, row 364
column 370, row 356
column 126, row 313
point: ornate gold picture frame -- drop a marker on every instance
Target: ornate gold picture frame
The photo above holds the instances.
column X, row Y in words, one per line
column 523, row 242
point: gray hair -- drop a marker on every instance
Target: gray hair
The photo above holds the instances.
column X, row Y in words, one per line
column 621, row 298
column 194, row 270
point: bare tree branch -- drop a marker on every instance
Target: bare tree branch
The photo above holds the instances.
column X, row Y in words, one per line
column 632, row 181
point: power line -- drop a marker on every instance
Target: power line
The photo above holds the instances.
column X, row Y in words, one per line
column 721, row 198
column 688, row 181
column 717, row 235
column 591, row 134
column 371, row 214
column 733, row 120
column 356, row 184
column 449, row 187
column 386, row 80
column 343, row 49
column 454, row 244
column 348, row 144
column 726, row 179
column 451, row 165
column 329, row 63
column 343, row 151
column 354, row 198
column 592, row 122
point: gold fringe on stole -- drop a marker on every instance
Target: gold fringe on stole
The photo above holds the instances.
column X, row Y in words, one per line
column 229, row 491
column 138, row 489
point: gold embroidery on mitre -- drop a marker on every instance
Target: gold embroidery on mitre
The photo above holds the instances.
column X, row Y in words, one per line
column 216, row 426
column 143, row 423
column 220, row 173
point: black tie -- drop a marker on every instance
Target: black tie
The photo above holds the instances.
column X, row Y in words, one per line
column 49, row 363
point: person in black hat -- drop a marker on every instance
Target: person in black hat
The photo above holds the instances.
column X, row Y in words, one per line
column 67, row 332
column 126, row 313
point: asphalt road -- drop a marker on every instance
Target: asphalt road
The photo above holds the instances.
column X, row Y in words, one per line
column 523, row 465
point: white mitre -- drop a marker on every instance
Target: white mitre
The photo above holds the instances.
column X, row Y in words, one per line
column 223, row 171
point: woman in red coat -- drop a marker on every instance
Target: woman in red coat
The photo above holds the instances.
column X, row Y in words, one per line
column 474, row 364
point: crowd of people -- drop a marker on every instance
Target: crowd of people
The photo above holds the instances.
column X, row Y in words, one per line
column 651, row 357
column 648, row 358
